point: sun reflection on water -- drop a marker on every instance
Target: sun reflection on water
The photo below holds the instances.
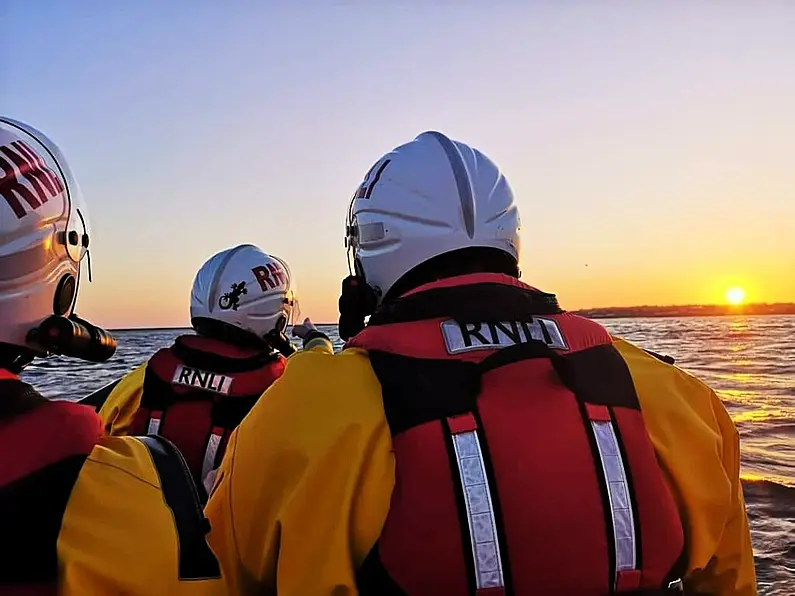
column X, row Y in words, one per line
column 760, row 415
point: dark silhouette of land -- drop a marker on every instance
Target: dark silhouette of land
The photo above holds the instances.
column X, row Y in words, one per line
column 688, row 310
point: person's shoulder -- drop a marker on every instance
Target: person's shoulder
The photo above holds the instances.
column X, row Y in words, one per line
column 652, row 362
column 348, row 371
column 317, row 383
column 664, row 387
column 127, row 455
column 581, row 332
column 125, row 389
column 53, row 439
column 73, row 411
column 333, row 363
column 75, row 424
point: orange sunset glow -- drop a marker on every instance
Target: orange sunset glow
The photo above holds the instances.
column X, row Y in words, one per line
column 651, row 169
column 620, row 280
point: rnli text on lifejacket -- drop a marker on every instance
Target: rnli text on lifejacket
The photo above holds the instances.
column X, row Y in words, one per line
column 210, row 381
column 488, row 335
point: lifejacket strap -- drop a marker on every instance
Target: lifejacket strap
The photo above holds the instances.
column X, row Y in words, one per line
column 467, row 303
column 517, row 353
column 216, row 362
column 662, row 357
column 196, row 560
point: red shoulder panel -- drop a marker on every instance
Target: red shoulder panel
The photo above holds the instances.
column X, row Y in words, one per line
column 163, row 363
column 47, row 434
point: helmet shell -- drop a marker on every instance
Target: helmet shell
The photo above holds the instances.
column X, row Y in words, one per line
column 246, row 288
column 44, row 232
column 427, row 197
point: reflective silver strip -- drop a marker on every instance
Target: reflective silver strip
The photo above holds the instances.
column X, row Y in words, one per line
column 209, row 454
column 618, row 493
column 480, row 511
column 154, row 426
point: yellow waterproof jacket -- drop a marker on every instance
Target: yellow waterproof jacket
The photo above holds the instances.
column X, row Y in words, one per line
column 305, row 487
column 118, row 411
column 132, row 526
column 91, row 514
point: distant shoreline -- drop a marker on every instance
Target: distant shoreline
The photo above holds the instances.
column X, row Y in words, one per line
column 687, row 310
column 626, row 312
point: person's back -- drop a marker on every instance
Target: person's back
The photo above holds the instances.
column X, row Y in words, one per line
column 197, row 391
column 51, row 441
column 85, row 514
column 474, row 437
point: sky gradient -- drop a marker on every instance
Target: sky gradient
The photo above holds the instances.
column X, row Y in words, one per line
column 650, row 145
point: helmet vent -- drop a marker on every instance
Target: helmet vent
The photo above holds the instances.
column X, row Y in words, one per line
column 462, row 181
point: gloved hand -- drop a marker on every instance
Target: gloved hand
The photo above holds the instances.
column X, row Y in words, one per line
column 302, row 330
column 307, row 332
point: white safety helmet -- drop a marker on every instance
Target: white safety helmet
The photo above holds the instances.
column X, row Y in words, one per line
column 427, row 197
column 44, row 233
column 246, row 288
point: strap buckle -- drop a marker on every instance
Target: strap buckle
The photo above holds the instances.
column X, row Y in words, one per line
column 676, row 586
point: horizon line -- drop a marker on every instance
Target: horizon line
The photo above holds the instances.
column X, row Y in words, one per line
column 731, row 308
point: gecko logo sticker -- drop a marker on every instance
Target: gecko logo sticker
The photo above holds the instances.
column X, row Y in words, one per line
column 25, row 177
column 232, row 298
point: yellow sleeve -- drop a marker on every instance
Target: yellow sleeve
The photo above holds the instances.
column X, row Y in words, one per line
column 731, row 569
column 118, row 535
column 698, row 448
column 304, row 489
column 318, row 342
column 118, row 411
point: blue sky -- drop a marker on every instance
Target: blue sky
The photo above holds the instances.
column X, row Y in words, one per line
column 652, row 141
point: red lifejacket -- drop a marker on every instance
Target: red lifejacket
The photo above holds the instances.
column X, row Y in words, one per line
column 45, row 444
column 523, row 465
column 197, row 391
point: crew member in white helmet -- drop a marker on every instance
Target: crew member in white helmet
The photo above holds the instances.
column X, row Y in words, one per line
column 197, row 391
column 82, row 513
column 474, row 438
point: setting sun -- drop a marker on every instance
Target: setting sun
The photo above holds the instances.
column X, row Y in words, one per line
column 735, row 295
